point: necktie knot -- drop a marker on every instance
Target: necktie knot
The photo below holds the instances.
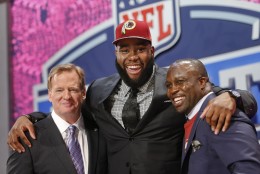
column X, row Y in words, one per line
column 72, row 130
column 134, row 92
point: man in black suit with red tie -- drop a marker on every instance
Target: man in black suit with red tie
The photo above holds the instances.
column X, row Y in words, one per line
column 235, row 151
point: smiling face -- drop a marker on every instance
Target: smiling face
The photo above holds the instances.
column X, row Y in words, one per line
column 66, row 95
column 135, row 61
column 185, row 85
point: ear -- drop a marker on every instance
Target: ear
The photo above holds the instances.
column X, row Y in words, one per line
column 50, row 95
column 116, row 50
column 152, row 50
column 83, row 95
column 203, row 82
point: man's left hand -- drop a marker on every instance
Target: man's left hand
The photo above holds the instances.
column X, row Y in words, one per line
column 219, row 111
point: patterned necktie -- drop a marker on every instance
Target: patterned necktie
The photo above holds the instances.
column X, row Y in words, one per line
column 131, row 112
column 74, row 150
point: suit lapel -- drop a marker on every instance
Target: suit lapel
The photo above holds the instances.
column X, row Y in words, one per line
column 159, row 101
column 92, row 149
column 54, row 138
column 109, row 86
column 192, row 134
column 194, row 128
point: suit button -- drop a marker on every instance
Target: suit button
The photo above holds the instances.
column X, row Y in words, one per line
column 131, row 139
column 127, row 164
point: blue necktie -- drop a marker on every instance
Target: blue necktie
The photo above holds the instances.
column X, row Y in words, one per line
column 74, row 150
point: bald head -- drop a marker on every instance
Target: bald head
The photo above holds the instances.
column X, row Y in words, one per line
column 192, row 64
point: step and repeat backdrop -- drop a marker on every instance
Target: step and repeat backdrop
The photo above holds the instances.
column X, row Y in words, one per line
column 224, row 34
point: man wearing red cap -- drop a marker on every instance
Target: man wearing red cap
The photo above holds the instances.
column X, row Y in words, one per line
column 148, row 141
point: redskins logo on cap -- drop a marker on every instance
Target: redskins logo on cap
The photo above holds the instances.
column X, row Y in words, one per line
column 128, row 25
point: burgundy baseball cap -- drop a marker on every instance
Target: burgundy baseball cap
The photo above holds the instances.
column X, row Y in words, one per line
column 132, row 29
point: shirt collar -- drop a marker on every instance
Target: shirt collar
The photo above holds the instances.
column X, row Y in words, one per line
column 197, row 107
column 142, row 89
column 63, row 125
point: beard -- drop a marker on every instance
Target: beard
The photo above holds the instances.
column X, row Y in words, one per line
column 144, row 77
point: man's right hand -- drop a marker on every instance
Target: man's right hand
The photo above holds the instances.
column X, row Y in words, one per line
column 16, row 134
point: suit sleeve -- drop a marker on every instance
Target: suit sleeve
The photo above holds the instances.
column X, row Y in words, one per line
column 20, row 163
column 37, row 116
column 247, row 103
column 238, row 147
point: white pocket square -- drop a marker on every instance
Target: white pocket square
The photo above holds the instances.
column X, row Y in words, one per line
column 195, row 145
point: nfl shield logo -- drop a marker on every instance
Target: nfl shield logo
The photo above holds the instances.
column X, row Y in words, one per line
column 163, row 18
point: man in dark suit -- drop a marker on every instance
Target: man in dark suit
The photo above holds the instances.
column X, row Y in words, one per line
column 235, row 151
column 150, row 141
column 49, row 153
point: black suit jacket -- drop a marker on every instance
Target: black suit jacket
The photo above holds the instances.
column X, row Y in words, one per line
column 49, row 153
column 155, row 146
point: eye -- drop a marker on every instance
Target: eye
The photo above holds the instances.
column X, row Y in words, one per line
column 124, row 51
column 140, row 50
column 180, row 82
column 168, row 85
column 58, row 90
column 74, row 90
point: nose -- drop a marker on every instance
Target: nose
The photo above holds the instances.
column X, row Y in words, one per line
column 132, row 55
column 66, row 94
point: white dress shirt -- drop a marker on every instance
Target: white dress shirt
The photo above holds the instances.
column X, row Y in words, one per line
column 82, row 135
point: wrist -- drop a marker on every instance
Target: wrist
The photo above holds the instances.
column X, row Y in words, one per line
column 235, row 95
column 29, row 117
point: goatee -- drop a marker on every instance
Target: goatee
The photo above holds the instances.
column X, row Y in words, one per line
column 144, row 77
